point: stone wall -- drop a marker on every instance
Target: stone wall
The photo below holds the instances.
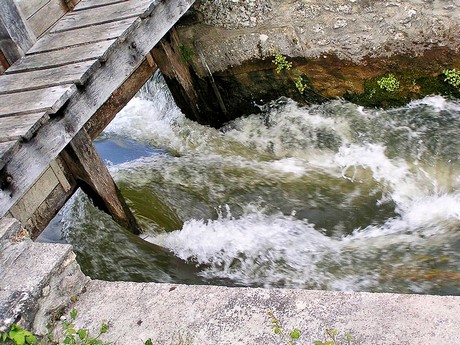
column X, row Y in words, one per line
column 339, row 48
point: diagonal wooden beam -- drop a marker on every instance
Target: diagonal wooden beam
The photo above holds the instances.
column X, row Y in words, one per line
column 94, row 178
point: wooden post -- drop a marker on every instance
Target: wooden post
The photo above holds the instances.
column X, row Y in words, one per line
column 95, row 180
column 16, row 26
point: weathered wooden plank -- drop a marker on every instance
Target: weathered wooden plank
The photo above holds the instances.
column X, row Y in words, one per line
column 83, row 36
column 49, row 100
column 16, row 25
column 86, row 164
column 29, row 7
column 10, row 50
column 7, row 150
column 106, row 14
column 35, row 196
column 76, row 73
column 56, row 58
column 46, row 144
column 47, row 16
column 86, row 4
column 21, row 126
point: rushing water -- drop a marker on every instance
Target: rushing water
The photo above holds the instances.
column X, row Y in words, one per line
column 330, row 196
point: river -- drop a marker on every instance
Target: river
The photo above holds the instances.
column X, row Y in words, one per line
column 331, row 196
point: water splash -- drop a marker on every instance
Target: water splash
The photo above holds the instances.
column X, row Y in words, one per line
column 332, row 196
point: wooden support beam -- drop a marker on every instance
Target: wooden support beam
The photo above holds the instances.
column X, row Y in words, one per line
column 95, row 180
column 120, row 97
column 15, row 23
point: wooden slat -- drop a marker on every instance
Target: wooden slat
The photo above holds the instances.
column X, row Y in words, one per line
column 76, row 73
column 21, row 126
column 85, row 4
column 49, row 100
column 47, row 16
column 83, row 36
column 7, row 150
column 106, row 14
column 16, row 25
column 56, row 58
column 29, row 7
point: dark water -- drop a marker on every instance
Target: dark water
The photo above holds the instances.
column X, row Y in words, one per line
column 323, row 197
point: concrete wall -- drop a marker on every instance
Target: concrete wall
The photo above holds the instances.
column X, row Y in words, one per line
column 339, row 47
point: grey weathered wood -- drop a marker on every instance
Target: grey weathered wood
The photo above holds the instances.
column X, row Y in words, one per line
column 58, row 132
column 16, row 25
column 10, row 50
column 7, row 151
column 47, row 16
column 86, row 164
column 83, row 36
column 76, row 73
column 21, row 126
column 65, row 56
column 106, row 14
column 49, row 100
column 86, row 4
column 29, row 7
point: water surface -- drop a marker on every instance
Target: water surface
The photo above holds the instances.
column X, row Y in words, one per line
column 331, row 196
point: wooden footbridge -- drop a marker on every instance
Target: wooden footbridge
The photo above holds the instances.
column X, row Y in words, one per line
column 66, row 86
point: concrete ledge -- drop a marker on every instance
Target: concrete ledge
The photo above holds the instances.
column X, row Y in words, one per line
column 221, row 315
column 36, row 279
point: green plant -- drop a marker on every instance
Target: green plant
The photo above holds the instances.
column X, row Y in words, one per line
column 281, row 62
column 452, row 77
column 186, row 54
column 18, row 336
column 333, row 338
column 300, row 85
column 289, row 338
column 73, row 336
column 388, row 83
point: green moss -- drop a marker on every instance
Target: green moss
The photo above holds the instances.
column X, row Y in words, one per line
column 413, row 84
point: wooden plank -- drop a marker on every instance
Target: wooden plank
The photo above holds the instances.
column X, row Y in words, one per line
column 16, row 25
column 83, row 36
column 7, row 151
column 46, row 145
column 86, row 4
column 10, row 50
column 49, row 100
column 35, row 196
column 47, row 16
column 56, row 58
column 21, row 126
column 106, row 14
column 29, row 7
column 76, row 73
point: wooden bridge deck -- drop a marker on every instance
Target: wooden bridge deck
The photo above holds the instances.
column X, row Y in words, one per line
column 49, row 95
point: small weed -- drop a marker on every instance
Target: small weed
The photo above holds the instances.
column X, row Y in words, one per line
column 281, row 63
column 18, row 336
column 389, row 83
column 333, row 338
column 73, row 336
column 300, row 85
column 289, row 338
column 186, row 54
column 452, row 77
